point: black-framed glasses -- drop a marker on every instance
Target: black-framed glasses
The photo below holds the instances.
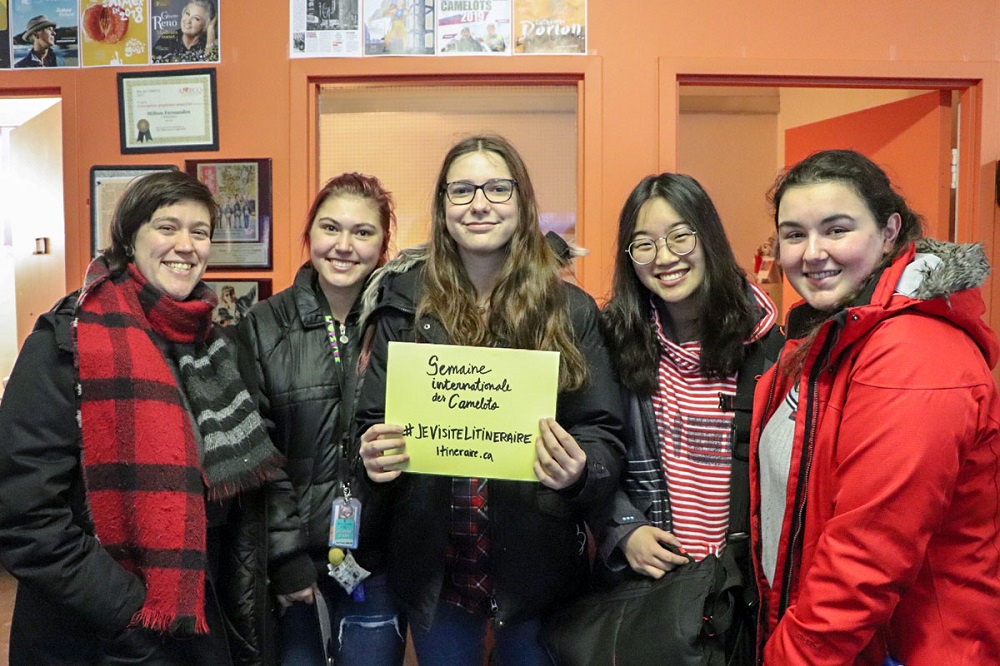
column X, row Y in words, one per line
column 496, row 190
column 680, row 242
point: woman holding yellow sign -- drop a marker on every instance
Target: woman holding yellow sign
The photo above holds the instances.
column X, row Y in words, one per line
column 468, row 551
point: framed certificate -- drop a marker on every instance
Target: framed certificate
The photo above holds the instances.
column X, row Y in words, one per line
column 107, row 185
column 167, row 112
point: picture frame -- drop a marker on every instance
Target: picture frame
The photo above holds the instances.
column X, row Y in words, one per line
column 168, row 111
column 242, row 188
column 236, row 297
column 107, row 185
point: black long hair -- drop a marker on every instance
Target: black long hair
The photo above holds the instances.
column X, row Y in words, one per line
column 728, row 318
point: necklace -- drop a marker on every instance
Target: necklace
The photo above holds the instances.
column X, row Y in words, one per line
column 332, row 334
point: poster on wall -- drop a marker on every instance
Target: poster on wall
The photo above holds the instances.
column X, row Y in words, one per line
column 184, row 31
column 4, row 36
column 399, row 27
column 473, row 27
column 44, row 33
column 114, row 32
column 242, row 188
column 236, row 297
column 550, row 26
column 325, row 28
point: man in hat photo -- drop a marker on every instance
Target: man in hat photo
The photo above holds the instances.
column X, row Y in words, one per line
column 41, row 34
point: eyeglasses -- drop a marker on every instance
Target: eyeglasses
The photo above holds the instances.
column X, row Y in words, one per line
column 680, row 242
column 496, row 190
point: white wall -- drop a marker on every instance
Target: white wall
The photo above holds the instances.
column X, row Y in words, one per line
column 36, row 179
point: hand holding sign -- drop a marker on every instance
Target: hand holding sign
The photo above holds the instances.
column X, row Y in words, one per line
column 377, row 440
column 560, row 461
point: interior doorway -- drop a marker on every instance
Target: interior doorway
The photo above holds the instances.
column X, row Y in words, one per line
column 735, row 136
column 32, row 219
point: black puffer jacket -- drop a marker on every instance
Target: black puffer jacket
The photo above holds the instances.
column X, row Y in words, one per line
column 307, row 400
column 73, row 598
column 537, row 535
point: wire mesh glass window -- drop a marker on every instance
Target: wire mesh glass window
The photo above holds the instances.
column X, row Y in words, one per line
column 400, row 133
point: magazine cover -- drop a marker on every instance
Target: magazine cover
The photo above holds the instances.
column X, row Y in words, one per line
column 473, row 27
column 184, row 31
column 114, row 32
column 550, row 26
column 44, row 33
column 326, row 28
column 4, row 36
column 399, row 27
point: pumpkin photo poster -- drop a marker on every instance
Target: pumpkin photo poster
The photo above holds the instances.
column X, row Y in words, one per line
column 114, row 32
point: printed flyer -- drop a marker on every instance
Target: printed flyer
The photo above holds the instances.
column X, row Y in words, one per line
column 115, row 32
column 399, row 27
column 4, row 36
column 183, row 31
column 473, row 27
column 44, row 33
column 470, row 411
column 550, row 26
column 325, row 28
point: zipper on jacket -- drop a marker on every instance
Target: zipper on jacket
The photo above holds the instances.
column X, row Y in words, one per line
column 652, row 435
column 495, row 549
column 805, row 466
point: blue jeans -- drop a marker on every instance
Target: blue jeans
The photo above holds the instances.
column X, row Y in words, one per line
column 456, row 639
column 364, row 633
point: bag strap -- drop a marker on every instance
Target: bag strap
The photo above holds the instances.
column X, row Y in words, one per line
column 720, row 607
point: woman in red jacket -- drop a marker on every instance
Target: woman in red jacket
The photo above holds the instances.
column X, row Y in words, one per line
column 876, row 447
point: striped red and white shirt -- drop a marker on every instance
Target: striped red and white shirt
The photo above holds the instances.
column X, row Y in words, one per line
column 694, row 433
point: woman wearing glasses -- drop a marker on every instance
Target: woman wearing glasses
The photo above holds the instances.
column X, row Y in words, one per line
column 688, row 333
column 466, row 552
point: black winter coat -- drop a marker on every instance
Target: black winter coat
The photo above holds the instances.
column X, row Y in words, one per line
column 73, row 598
column 537, row 536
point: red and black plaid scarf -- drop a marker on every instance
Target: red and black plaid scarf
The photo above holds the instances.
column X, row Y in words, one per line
column 145, row 482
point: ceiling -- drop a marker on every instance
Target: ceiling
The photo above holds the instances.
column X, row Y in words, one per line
column 15, row 111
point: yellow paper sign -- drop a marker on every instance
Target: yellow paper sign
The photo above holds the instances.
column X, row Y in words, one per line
column 470, row 411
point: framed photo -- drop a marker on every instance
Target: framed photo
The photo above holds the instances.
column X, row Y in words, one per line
column 236, row 297
column 242, row 188
column 167, row 112
column 107, row 185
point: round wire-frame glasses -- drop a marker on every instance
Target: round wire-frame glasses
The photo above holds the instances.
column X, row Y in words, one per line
column 496, row 190
column 680, row 242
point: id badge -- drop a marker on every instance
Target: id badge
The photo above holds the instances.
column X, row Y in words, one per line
column 345, row 522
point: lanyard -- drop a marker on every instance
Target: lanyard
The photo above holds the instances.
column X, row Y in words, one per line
column 336, row 337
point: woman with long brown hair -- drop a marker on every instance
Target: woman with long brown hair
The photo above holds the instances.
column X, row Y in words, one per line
column 464, row 552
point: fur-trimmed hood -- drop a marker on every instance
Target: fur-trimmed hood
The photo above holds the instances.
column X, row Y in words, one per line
column 406, row 260
column 935, row 278
column 940, row 269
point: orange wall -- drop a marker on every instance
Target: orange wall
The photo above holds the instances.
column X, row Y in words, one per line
column 637, row 51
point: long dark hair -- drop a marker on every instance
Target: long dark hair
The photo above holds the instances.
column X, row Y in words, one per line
column 728, row 318
column 144, row 197
column 528, row 304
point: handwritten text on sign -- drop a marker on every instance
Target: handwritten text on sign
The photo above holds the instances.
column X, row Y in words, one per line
column 470, row 411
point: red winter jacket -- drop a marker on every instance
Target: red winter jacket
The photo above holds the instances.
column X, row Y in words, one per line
column 889, row 543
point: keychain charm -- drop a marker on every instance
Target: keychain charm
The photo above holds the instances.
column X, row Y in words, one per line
column 349, row 575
